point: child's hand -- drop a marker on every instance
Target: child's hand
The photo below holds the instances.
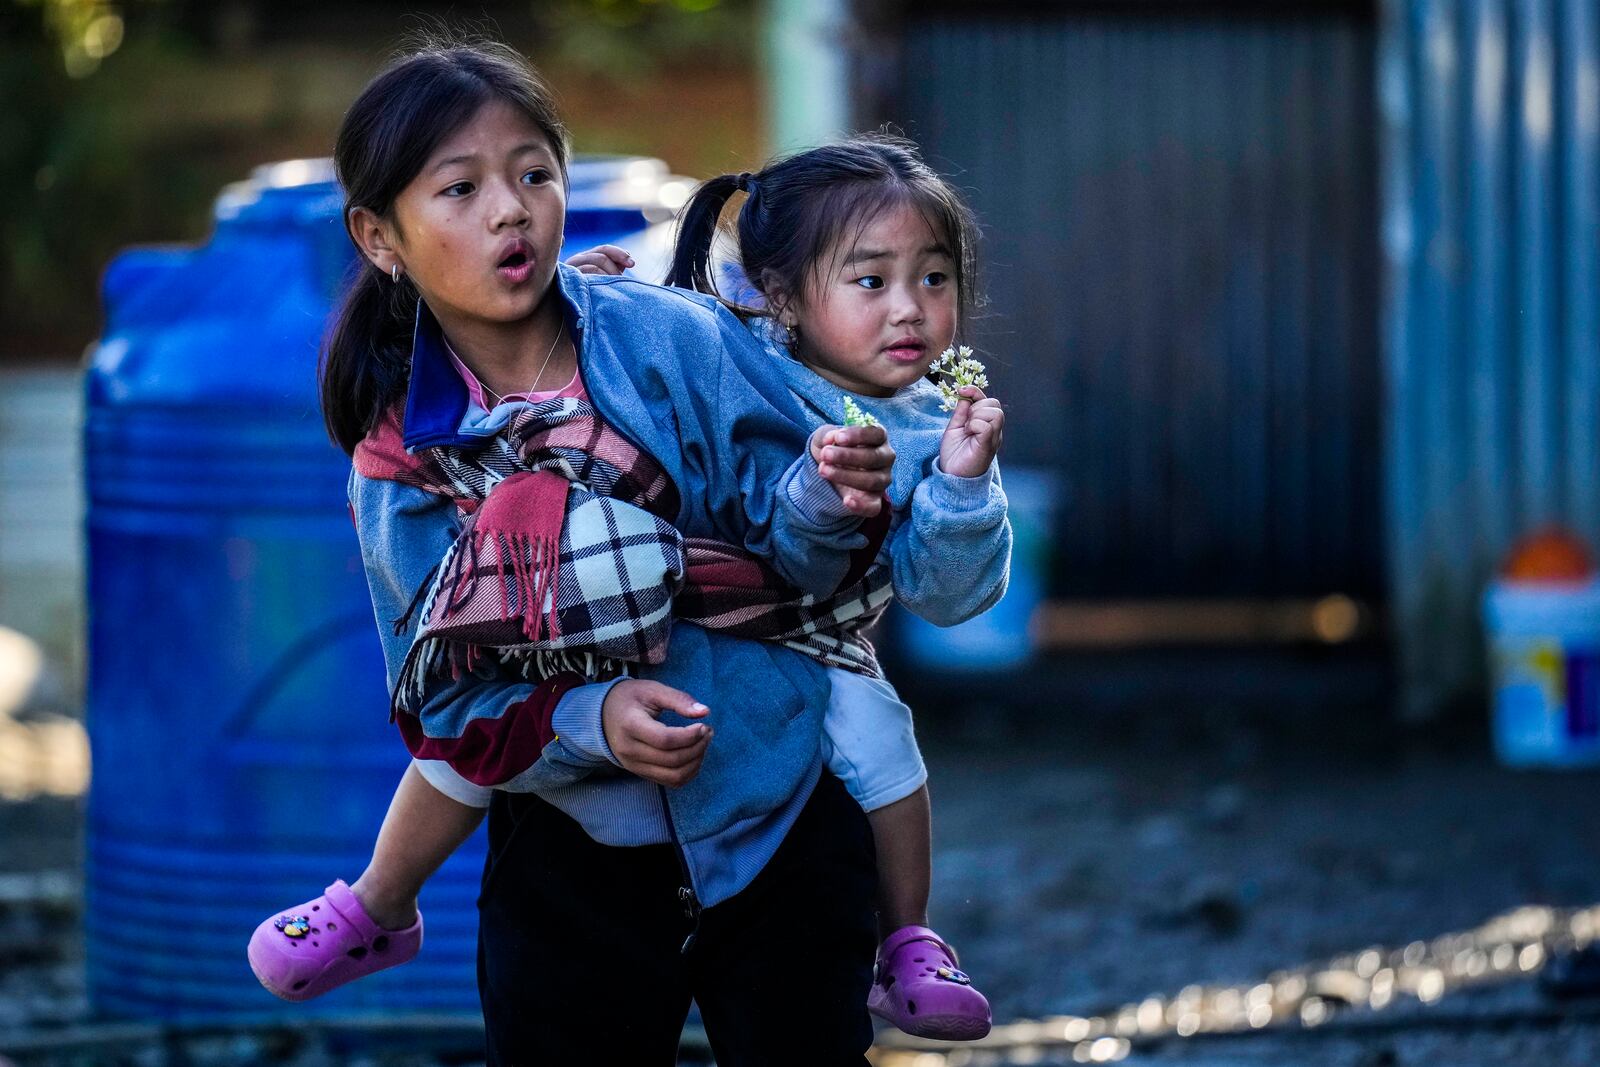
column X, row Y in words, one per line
column 857, row 460
column 666, row 755
column 972, row 439
column 602, row 259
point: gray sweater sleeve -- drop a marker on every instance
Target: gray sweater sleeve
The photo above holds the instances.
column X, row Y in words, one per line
column 952, row 555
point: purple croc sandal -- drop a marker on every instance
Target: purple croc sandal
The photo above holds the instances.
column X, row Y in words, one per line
column 920, row 989
column 324, row 943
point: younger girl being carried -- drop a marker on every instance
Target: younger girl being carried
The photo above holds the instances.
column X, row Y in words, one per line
column 862, row 259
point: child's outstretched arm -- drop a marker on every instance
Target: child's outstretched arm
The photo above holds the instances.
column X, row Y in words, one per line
column 952, row 558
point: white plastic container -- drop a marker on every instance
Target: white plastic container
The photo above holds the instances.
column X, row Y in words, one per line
column 1544, row 652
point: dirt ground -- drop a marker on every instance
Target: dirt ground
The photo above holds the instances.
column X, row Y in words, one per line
column 1079, row 868
column 1077, row 881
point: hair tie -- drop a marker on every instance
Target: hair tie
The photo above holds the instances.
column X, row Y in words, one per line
column 744, row 183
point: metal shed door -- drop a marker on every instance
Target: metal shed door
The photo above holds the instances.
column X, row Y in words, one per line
column 1182, row 270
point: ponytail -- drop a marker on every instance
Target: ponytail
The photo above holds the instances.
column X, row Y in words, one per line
column 390, row 131
column 366, row 362
column 697, row 232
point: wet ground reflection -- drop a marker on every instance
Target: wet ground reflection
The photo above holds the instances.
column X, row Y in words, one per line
column 1513, row 946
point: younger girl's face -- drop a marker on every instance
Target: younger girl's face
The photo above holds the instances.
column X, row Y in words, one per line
column 479, row 227
column 885, row 311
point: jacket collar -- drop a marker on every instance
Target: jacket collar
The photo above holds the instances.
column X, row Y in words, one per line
column 436, row 399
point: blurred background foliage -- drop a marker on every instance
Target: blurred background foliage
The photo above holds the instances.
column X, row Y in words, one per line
column 122, row 120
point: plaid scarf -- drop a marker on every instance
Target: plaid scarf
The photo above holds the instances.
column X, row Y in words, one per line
column 567, row 560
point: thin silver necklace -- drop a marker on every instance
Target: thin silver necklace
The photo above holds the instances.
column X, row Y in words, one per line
column 499, row 398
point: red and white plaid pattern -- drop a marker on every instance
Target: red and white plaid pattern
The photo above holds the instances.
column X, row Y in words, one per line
column 598, row 591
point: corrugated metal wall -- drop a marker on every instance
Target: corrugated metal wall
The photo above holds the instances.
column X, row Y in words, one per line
column 1491, row 230
column 1181, row 256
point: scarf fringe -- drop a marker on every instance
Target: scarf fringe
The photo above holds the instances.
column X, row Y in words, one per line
column 540, row 663
column 526, row 567
column 435, row 657
column 532, row 565
column 426, row 659
column 417, row 599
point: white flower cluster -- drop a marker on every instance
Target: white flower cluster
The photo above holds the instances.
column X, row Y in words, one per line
column 854, row 416
column 956, row 369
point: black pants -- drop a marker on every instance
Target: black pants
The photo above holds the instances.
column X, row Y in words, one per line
column 579, row 943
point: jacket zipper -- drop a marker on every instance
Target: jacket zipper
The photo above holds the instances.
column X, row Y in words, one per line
column 686, row 895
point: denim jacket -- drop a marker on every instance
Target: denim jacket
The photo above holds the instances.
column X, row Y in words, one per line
column 687, row 382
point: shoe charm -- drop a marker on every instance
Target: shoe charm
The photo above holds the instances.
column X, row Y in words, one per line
column 293, row 925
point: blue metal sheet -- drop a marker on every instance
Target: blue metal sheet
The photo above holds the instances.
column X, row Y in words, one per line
column 1180, row 257
column 1491, row 111
column 1578, row 99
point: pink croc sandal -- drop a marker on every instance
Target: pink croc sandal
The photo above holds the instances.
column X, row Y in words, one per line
column 324, row 943
column 920, row 989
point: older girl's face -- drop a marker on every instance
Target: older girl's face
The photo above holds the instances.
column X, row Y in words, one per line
column 479, row 228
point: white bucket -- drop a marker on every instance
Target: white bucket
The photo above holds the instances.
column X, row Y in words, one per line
column 1544, row 651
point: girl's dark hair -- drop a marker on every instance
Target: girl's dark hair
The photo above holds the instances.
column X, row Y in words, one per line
column 423, row 96
column 800, row 206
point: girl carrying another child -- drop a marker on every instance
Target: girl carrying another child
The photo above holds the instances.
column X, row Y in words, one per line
column 946, row 555
column 632, row 864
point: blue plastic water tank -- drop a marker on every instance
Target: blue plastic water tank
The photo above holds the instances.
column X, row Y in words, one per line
column 238, row 715
column 1000, row 639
